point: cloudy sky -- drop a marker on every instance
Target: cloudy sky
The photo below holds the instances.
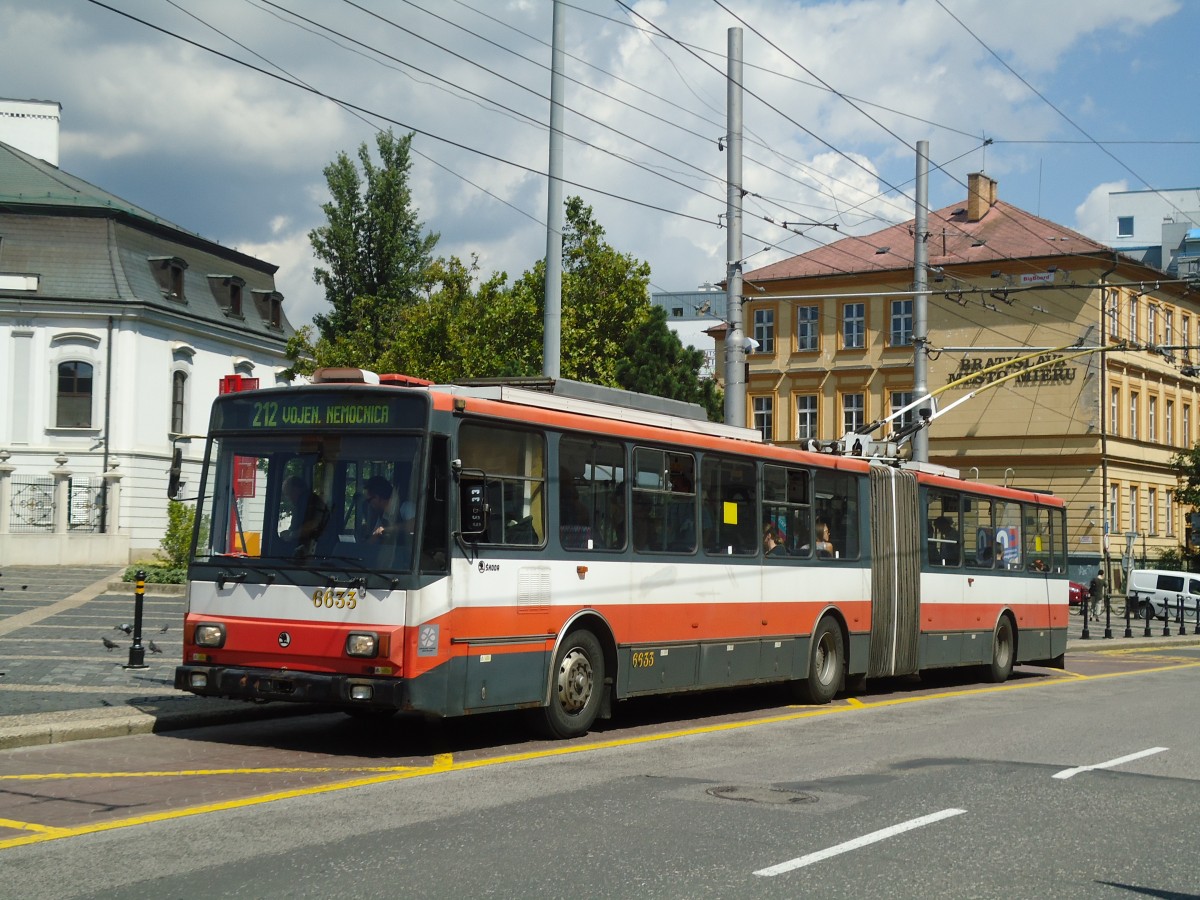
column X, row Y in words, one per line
column 837, row 95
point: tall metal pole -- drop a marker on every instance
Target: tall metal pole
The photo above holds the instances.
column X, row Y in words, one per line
column 735, row 338
column 552, row 316
column 921, row 299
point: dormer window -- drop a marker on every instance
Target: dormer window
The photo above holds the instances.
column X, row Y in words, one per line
column 228, row 291
column 270, row 307
column 168, row 272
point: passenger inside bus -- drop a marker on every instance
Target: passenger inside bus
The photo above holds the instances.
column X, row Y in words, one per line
column 310, row 515
column 773, row 544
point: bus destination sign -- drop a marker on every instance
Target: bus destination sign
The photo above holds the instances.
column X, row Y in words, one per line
column 326, row 409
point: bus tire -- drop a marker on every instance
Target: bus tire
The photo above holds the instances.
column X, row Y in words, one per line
column 825, row 663
column 1003, row 652
column 576, row 687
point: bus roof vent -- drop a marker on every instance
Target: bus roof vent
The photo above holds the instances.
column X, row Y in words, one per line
column 579, row 390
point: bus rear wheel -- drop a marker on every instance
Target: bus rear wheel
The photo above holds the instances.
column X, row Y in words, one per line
column 576, row 687
column 825, row 663
column 1003, row 652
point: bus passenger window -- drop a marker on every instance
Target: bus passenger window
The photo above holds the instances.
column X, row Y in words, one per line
column 837, row 507
column 729, row 508
column 591, row 494
column 943, row 529
column 664, row 501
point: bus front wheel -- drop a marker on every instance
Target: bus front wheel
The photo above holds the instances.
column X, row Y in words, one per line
column 1003, row 652
column 576, row 687
column 825, row 663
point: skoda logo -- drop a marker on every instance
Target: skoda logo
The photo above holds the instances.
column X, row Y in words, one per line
column 284, row 639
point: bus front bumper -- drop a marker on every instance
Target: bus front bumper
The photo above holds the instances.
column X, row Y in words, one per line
column 294, row 687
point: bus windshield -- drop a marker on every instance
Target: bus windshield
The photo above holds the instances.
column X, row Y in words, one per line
column 311, row 499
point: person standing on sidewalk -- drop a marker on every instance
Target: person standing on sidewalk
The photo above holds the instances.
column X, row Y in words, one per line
column 1096, row 594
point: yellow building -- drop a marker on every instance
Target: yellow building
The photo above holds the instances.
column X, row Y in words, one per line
column 834, row 350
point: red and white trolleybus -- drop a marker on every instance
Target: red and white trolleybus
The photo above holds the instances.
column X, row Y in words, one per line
column 448, row 550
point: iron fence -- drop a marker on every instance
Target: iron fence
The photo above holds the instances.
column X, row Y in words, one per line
column 32, row 505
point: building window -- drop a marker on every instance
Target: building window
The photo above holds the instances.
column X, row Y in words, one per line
column 1170, row 513
column 854, row 326
column 1185, row 328
column 178, row 392
column 1133, row 415
column 1152, row 419
column 1151, row 324
column 901, row 399
column 1114, row 412
column 1133, row 508
column 807, row 328
column 1186, row 427
column 764, row 417
column 1133, row 319
column 1114, row 517
column 853, row 412
column 168, row 272
column 1169, row 437
column 1114, row 321
column 276, row 311
column 1168, row 327
column 806, row 417
column 1152, row 510
column 1124, row 226
column 764, row 330
column 235, row 299
column 74, row 408
column 902, row 323
column 677, row 312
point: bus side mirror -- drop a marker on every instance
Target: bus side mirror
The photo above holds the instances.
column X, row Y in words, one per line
column 176, row 473
column 472, row 506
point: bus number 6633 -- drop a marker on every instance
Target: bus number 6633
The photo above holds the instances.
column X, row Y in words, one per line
column 331, row 599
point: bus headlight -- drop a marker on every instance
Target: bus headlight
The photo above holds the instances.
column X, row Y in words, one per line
column 362, row 643
column 210, row 634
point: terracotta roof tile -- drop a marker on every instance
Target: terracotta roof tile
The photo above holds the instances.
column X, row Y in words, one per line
column 1005, row 232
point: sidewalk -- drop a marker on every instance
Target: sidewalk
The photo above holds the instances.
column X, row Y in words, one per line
column 61, row 683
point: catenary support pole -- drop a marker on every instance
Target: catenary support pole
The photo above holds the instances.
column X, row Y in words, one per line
column 552, row 316
column 735, row 339
column 920, row 335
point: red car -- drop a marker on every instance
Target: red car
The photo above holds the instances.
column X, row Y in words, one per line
column 1078, row 594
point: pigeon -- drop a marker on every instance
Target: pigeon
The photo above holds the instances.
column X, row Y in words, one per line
column 163, row 630
column 110, row 645
column 128, row 629
column 154, row 648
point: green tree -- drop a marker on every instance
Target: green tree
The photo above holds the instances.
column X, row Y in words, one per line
column 1186, row 464
column 376, row 257
column 654, row 361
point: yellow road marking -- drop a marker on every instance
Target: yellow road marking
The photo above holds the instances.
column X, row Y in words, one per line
column 445, row 762
column 30, row 826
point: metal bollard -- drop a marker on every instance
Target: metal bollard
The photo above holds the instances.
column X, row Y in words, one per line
column 1149, row 612
column 1107, row 614
column 1179, row 612
column 1196, row 630
column 1086, row 603
column 1128, row 630
column 1166, row 618
column 137, row 653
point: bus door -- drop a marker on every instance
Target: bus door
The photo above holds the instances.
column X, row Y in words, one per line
column 895, row 573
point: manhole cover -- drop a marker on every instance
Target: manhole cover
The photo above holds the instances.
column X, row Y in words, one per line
column 761, row 795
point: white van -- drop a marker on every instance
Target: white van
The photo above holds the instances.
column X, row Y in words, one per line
column 1160, row 590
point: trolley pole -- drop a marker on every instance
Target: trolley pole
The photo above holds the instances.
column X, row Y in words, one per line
column 137, row 653
column 552, row 314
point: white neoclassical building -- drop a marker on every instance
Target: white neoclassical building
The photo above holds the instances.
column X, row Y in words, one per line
column 117, row 328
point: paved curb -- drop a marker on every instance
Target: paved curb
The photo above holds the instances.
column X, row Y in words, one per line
column 40, row 729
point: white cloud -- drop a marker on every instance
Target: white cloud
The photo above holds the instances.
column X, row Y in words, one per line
column 1091, row 216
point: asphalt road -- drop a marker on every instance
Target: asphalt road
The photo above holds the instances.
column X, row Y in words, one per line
column 1048, row 786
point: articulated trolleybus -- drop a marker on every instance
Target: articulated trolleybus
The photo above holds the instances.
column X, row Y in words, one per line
column 380, row 545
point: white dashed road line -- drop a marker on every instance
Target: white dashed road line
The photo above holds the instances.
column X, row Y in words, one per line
column 867, row 839
column 1067, row 773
